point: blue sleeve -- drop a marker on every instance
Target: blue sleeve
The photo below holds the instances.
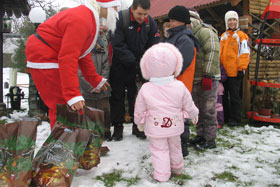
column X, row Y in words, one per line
column 186, row 47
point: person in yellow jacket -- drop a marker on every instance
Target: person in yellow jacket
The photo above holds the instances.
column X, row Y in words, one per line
column 235, row 57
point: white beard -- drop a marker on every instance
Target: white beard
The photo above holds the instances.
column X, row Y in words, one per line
column 111, row 20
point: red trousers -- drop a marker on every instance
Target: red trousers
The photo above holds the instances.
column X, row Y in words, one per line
column 48, row 85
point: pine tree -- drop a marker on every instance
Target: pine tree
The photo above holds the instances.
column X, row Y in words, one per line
column 36, row 105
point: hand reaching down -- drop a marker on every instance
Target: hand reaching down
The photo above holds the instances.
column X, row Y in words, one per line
column 78, row 105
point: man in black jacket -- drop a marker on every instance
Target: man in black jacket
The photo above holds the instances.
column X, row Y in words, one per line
column 129, row 43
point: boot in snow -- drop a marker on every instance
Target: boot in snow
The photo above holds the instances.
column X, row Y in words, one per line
column 198, row 140
column 135, row 131
column 118, row 132
column 211, row 144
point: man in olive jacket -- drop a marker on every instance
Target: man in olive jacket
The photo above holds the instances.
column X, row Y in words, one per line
column 206, row 79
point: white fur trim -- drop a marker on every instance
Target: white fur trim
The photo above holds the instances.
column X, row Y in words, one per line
column 109, row 4
column 102, row 82
column 42, row 65
column 96, row 16
column 162, row 80
column 75, row 100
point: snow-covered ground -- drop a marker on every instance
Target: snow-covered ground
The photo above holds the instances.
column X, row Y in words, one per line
column 245, row 156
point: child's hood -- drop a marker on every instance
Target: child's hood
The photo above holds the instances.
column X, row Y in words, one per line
column 161, row 60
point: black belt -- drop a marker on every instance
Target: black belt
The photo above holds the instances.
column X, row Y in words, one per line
column 40, row 38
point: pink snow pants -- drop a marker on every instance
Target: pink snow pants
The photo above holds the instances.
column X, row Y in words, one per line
column 167, row 157
column 47, row 82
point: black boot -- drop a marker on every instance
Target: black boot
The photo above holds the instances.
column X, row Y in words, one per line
column 211, row 144
column 135, row 131
column 107, row 136
column 198, row 140
column 118, row 132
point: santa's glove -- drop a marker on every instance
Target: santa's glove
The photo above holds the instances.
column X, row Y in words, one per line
column 206, row 83
column 140, row 128
column 240, row 75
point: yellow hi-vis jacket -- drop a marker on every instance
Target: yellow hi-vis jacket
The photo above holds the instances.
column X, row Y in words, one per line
column 234, row 52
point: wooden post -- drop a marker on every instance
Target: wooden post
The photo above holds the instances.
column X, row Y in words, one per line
column 235, row 2
column 246, row 95
column 1, row 52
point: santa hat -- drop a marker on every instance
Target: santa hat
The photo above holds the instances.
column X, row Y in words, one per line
column 231, row 14
column 108, row 3
column 161, row 60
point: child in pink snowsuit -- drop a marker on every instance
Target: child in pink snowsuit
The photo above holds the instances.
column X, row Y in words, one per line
column 161, row 106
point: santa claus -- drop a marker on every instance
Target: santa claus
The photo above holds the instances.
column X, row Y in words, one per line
column 61, row 45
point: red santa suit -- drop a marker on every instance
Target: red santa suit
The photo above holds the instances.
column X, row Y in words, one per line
column 70, row 35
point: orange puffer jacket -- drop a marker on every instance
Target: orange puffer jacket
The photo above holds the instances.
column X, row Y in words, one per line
column 234, row 52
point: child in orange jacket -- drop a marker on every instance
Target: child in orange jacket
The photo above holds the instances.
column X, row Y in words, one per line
column 235, row 57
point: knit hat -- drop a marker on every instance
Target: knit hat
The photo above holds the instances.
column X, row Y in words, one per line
column 161, row 60
column 108, row 3
column 180, row 13
column 195, row 18
column 231, row 14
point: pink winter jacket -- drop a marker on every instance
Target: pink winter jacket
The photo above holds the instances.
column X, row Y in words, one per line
column 162, row 107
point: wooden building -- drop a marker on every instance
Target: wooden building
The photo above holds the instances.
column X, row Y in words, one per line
column 250, row 12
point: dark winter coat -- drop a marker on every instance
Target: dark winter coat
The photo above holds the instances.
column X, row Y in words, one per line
column 183, row 38
column 129, row 45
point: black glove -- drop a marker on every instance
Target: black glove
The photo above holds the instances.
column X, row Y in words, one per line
column 240, row 75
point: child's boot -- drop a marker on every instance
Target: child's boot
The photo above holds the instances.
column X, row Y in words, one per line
column 118, row 132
